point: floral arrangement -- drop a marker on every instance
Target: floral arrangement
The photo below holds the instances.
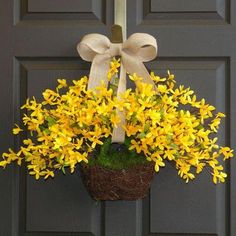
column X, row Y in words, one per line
column 168, row 124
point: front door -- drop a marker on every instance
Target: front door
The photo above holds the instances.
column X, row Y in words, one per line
column 196, row 42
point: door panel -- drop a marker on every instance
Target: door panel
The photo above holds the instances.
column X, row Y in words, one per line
column 196, row 43
column 184, row 11
column 66, row 11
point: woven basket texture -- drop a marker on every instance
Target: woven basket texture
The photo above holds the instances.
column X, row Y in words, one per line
column 126, row 184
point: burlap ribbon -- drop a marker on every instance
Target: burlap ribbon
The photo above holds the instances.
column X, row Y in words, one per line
column 98, row 49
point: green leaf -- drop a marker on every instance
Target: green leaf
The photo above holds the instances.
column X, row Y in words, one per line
column 63, row 170
column 114, row 88
column 115, row 81
column 169, row 137
column 134, row 117
column 74, row 125
column 51, row 121
column 177, row 155
column 47, row 131
column 105, row 118
column 174, row 146
column 200, row 127
column 142, row 135
column 146, row 128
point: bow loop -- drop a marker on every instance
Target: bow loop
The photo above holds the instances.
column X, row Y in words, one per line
column 142, row 45
column 91, row 45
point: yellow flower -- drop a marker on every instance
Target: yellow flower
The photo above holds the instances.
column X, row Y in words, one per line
column 227, row 152
column 48, row 173
column 184, row 173
column 114, row 66
column 17, row 130
column 170, row 76
column 205, row 109
column 218, row 174
column 170, row 154
column 3, row 163
column 215, row 124
column 79, row 143
column 159, row 163
column 155, row 116
column 145, row 90
column 50, row 97
column 200, row 167
column 135, row 145
column 220, row 114
column 131, row 130
column 115, row 119
column 135, row 77
column 62, row 83
column 162, row 88
column 36, row 173
column 157, row 78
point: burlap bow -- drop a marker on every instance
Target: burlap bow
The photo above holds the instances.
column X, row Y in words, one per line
column 98, row 49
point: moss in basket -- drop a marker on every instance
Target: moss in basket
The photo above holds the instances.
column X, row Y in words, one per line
column 116, row 156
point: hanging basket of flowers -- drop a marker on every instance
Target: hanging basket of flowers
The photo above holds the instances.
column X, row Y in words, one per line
column 119, row 137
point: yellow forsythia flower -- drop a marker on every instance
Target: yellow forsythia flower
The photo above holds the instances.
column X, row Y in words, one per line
column 17, row 130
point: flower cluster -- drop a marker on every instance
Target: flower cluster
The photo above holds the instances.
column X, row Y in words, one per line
column 163, row 129
column 166, row 123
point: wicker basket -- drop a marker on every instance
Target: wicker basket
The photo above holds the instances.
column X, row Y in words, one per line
column 126, row 184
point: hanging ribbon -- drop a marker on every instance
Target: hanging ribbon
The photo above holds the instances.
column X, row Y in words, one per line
column 98, row 49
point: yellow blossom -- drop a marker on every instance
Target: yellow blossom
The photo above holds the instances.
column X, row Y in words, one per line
column 17, row 130
column 227, row 152
column 159, row 163
column 62, row 83
column 114, row 66
column 156, row 78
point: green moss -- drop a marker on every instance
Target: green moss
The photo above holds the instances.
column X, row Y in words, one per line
column 116, row 156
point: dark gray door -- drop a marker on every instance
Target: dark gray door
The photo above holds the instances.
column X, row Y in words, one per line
column 38, row 45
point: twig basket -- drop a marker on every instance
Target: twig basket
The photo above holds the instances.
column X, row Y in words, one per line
column 126, row 184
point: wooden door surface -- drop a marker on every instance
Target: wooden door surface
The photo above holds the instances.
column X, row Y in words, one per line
column 196, row 42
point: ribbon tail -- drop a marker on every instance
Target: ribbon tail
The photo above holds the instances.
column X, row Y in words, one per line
column 98, row 72
column 118, row 135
